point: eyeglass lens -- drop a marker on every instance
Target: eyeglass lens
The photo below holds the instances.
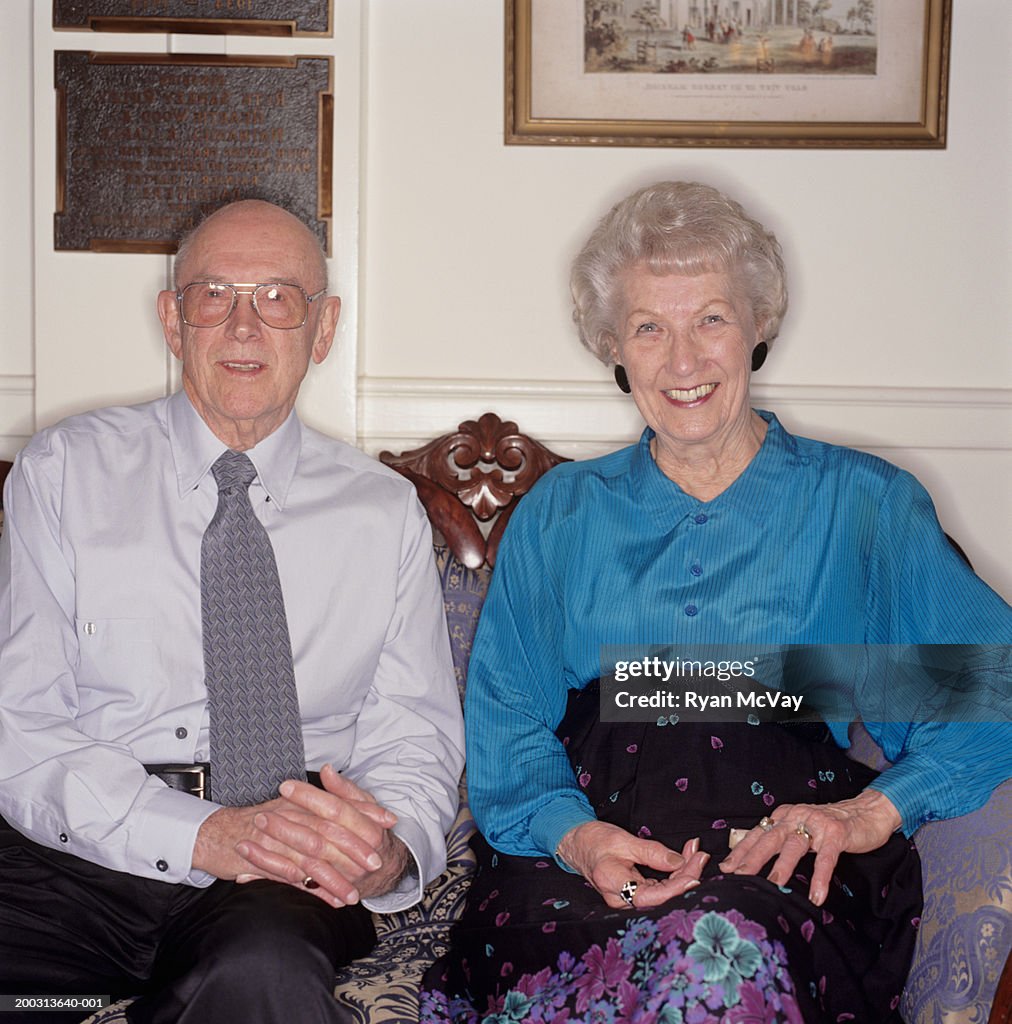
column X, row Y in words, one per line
column 208, row 304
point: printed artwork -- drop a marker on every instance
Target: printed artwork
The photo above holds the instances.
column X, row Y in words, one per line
column 783, row 37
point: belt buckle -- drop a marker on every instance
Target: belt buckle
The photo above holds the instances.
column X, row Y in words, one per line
column 195, row 782
column 186, row 778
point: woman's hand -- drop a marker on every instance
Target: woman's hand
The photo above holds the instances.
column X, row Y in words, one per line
column 607, row 855
column 863, row 823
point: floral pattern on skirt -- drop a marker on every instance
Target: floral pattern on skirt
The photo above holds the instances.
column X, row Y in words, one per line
column 537, row 943
column 687, row 967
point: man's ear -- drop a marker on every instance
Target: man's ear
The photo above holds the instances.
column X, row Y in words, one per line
column 168, row 313
column 326, row 327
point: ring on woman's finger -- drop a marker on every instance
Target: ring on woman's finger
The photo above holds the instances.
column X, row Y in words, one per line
column 766, row 823
column 628, row 891
column 802, row 830
column 310, row 883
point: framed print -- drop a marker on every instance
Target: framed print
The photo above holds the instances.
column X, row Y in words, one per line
column 860, row 73
column 149, row 143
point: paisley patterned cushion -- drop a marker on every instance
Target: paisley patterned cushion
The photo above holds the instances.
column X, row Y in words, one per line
column 965, row 935
column 966, row 925
column 464, row 593
column 384, row 985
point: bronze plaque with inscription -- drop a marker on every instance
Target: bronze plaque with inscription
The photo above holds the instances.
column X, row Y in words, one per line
column 149, row 143
column 211, row 17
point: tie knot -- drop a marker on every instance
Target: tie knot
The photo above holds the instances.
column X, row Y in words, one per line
column 233, row 469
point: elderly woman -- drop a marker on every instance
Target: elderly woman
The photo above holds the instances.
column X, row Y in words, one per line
column 608, row 888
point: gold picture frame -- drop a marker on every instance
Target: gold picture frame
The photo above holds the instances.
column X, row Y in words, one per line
column 658, row 73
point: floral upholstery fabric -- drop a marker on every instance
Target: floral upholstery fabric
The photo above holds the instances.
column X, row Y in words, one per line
column 965, row 935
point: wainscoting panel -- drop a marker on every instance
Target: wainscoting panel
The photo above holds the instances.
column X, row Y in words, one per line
column 17, row 412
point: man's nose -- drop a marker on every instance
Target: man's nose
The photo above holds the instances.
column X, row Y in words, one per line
column 244, row 321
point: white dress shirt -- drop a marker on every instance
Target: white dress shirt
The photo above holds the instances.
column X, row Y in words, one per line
column 101, row 659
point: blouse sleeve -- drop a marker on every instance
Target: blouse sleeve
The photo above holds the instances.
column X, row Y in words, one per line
column 523, row 794
column 922, row 593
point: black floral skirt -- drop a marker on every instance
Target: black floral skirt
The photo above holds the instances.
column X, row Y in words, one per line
column 537, row 943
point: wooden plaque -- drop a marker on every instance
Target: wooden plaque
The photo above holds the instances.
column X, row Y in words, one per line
column 149, row 143
column 209, row 17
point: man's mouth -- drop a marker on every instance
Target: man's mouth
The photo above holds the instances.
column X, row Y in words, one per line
column 690, row 394
column 243, row 367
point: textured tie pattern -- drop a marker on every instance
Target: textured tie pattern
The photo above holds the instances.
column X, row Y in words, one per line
column 256, row 732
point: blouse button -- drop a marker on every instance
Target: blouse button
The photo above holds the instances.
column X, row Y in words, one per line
column 181, row 733
column 162, row 865
column 690, row 610
column 64, row 838
column 701, row 518
column 696, row 569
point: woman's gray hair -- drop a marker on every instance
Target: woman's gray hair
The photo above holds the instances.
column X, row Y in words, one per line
column 675, row 227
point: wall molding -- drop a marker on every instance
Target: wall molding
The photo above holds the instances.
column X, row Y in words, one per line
column 594, row 416
column 17, row 412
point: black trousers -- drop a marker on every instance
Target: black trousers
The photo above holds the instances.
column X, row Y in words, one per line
column 260, row 953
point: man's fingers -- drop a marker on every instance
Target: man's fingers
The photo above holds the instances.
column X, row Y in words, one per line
column 333, row 803
column 323, row 840
column 332, row 885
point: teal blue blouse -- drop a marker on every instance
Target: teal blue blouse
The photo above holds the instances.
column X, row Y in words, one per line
column 812, row 544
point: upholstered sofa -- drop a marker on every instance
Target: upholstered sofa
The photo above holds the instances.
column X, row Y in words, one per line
column 469, row 481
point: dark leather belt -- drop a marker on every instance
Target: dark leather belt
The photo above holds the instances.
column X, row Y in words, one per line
column 195, row 779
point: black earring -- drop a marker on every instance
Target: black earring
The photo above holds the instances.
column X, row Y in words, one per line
column 622, row 379
column 759, row 354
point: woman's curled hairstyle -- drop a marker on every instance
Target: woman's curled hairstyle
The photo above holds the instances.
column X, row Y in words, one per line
column 675, row 227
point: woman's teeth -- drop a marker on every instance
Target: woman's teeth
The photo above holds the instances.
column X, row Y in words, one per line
column 691, row 394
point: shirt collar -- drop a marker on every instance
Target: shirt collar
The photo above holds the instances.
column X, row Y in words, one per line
column 195, row 449
column 752, row 495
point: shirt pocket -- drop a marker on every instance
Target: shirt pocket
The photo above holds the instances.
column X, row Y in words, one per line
column 117, row 656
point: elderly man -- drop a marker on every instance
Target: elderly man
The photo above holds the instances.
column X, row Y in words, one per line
column 202, row 600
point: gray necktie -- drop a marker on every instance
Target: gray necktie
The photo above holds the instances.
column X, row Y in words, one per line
column 256, row 731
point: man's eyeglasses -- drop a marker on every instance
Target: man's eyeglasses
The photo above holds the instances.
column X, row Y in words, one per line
column 210, row 303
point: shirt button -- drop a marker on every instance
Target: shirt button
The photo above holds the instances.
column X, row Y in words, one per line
column 701, row 518
column 696, row 569
column 690, row 610
column 63, row 837
column 162, row 865
column 89, row 629
column 181, row 733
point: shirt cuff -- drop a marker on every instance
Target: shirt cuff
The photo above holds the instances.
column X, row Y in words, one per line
column 920, row 789
column 553, row 821
column 408, row 890
column 161, row 843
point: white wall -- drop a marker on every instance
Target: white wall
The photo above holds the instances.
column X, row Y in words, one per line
column 453, row 255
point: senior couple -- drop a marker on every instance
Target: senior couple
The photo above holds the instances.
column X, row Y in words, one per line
column 229, row 731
